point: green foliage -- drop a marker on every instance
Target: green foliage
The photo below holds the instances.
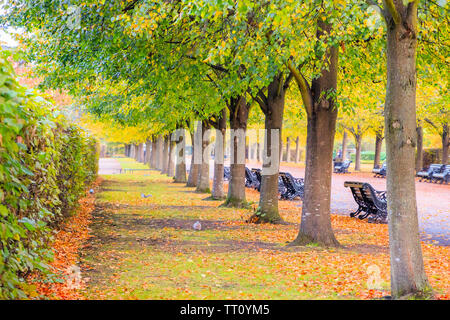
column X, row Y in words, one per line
column 46, row 164
column 369, row 156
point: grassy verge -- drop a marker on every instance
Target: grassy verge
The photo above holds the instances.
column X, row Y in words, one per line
column 147, row 248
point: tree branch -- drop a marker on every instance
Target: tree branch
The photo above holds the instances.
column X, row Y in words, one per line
column 215, row 67
column 390, row 6
column 303, row 87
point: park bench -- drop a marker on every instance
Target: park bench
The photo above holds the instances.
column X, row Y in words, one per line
column 250, row 179
column 341, row 166
column 442, row 176
column 428, row 174
column 381, row 171
column 257, row 174
column 370, row 202
column 294, row 187
column 226, row 173
column 281, row 186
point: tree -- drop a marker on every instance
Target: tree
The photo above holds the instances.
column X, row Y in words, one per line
column 407, row 271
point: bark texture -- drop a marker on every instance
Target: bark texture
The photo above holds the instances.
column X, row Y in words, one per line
column 239, row 109
column 419, row 148
column 445, row 143
column 273, row 107
column 171, row 165
column 159, row 152
column 180, row 168
column 194, row 167
column 378, row 144
column 288, row 149
column 407, row 271
column 344, row 145
column 315, row 226
column 219, row 151
column 153, row 155
column 203, row 174
column 165, row 160
column 358, row 145
column 148, row 145
column 297, row 150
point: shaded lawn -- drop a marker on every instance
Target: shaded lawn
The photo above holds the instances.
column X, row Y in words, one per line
column 147, row 249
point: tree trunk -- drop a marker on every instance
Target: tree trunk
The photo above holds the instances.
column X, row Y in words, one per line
column 288, row 149
column 407, row 270
column 141, row 153
column 281, row 150
column 217, row 189
column 135, row 152
column 171, row 165
column 419, row 152
column 153, row 155
column 180, row 168
column 165, row 161
column 445, row 144
column 315, row 226
column 159, row 152
column 268, row 197
column 344, row 145
column 194, row 167
column 258, row 152
column 203, row 175
column 148, row 145
column 239, row 109
column 378, row 145
column 297, row 150
column 358, row 144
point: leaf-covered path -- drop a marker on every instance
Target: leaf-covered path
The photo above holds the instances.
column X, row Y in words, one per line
column 147, row 248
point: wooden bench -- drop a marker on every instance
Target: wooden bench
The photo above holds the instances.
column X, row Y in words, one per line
column 443, row 176
column 226, row 173
column 294, row 187
column 370, row 202
column 381, row 171
column 250, row 179
column 257, row 174
column 428, row 174
column 341, row 166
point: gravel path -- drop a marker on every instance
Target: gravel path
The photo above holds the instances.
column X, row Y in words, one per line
column 108, row 166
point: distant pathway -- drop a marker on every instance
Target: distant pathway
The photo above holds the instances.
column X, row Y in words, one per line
column 108, row 166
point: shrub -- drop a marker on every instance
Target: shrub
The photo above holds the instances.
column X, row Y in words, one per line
column 46, row 164
column 368, row 156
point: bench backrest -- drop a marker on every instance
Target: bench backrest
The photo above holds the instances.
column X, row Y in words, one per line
column 363, row 193
column 257, row 173
column 346, row 163
column 289, row 181
column 435, row 167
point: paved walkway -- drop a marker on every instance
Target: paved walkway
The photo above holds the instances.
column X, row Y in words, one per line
column 108, row 166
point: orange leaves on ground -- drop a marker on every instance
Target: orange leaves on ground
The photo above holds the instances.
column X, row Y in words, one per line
column 67, row 242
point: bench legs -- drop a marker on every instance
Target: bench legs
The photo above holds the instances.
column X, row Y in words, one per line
column 354, row 214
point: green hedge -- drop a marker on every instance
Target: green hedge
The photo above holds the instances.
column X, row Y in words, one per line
column 368, row 155
column 46, row 164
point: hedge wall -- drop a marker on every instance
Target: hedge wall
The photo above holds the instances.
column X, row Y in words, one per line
column 368, row 155
column 46, row 164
